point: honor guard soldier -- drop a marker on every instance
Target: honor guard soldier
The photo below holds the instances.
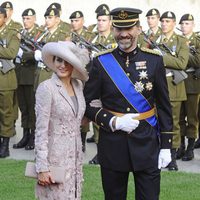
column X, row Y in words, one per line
column 64, row 26
column 154, row 31
column 133, row 137
column 93, row 27
column 8, row 6
column 175, row 56
column 25, row 71
column 189, row 110
column 53, row 33
column 9, row 45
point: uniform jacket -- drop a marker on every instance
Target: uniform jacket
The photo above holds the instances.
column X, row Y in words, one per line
column 8, row 51
column 193, row 85
column 139, row 150
column 57, row 136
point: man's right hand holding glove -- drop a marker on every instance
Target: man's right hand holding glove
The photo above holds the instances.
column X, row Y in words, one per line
column 126, row 123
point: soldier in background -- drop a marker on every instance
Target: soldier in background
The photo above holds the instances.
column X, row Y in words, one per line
column 8, row 6
column 175, row 56
column 53, row 33
column 8, row 51
column 25, row 71
column 64, row 26
column 189, row 110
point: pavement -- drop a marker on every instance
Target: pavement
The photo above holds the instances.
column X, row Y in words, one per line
column 21, row 154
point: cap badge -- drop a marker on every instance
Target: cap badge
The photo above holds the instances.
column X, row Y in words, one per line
column 7, row 5
column 53, row 6
column 52, row 13
column 169, row 14
column 154, row 12
column 190, row 17
column 30, row 13
column 123, row 15
column 78, row 15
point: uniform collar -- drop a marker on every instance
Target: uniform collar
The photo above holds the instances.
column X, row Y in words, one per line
column 129, row 54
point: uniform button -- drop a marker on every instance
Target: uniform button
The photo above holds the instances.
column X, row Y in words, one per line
column 105, row 115
column 102, row 124
column 128, row 74
column 128, row 109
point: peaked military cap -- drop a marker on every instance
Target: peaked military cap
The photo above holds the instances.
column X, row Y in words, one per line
column 186, row 17
column 7, row 4
column 168, row 15
column 55, row 5
column 103, row 12
column 28, row 12
column 76, row 14
column 102, row 7
column 152, row 12
column 3, row 11
column 125, row 17
column 52, row 12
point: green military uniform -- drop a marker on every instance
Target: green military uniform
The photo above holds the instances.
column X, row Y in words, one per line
column 8, row 81
column 25, row 71
column 42, row 72
column 65, row 27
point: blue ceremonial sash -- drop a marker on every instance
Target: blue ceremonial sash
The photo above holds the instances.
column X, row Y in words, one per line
column 125, row 86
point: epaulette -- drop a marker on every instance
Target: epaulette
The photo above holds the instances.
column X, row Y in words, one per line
column 147, row 50
column 104, row 52
column 17, row 25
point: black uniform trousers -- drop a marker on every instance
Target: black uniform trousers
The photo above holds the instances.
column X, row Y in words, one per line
column 147, row 184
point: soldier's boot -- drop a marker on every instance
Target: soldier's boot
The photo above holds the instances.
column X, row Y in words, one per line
column 197, row 144
column 83, row 138
column 173, row 165
column 24, row 141
column 31, row 142
column 4, row 150
column 189, row 153
column 181, row 151
column 91, row 139
column 95, row 160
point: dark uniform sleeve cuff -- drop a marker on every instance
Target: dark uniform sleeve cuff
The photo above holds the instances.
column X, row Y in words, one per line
column 166, row 140
column 103, row 118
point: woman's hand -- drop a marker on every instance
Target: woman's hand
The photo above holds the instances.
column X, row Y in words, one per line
column 45, row 178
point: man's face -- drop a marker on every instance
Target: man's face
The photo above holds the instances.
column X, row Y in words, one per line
column 51, row 21
column 77, row 23
column 187, row 27
column 28, row 21
column 2, row 20
column 103, row 23
column 167, row 25
column 153, row 21
column 126, row 37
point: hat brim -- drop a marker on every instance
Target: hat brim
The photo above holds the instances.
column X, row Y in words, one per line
column 124, row 24
column 64, row 50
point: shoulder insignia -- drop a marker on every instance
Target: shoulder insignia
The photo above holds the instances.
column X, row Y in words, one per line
column 104, row 52
column 151, row 51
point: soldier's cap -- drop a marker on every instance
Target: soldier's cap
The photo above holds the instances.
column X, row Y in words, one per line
column 3, row 11
column 76, row 14
column 152, row 12
column 125, row 17
column 103, row 12
column 186, row 17
column 28, row 12
column 7, row 5
column 102, row 7
column 168, row 15
column 55, row 5
column 52, row 12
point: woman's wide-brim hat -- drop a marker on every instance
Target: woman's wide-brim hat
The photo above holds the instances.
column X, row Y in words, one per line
column 69, row 52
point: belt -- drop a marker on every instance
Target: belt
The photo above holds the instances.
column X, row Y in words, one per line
column 142, row 116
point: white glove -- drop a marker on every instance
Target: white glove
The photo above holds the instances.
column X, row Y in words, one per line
column 38, row 55
column 20, row 53
column 127, row 122
column 164, row 158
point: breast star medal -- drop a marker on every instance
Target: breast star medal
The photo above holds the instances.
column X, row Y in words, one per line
column 139, row 86
column 143, row 75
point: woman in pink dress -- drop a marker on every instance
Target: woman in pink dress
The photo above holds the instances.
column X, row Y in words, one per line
column 60, row 106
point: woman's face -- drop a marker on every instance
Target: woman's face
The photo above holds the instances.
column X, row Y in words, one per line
column 63, row 68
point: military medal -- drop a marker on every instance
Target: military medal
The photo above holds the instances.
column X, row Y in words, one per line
column 143, row 75
column 140, row 65
column 139, row 86
column 148, row 86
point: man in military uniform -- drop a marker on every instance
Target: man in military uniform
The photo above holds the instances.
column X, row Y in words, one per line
column 8, row 6
column 189, row 111
column 25, row 71
column 52, row 34
column 175, row 56
column 64, row 26
column 103, row 39
column 93, row 27
column 153, row 33
column 8, row 51
column 127, row 80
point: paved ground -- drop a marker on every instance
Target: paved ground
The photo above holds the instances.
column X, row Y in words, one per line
column 21, row 154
